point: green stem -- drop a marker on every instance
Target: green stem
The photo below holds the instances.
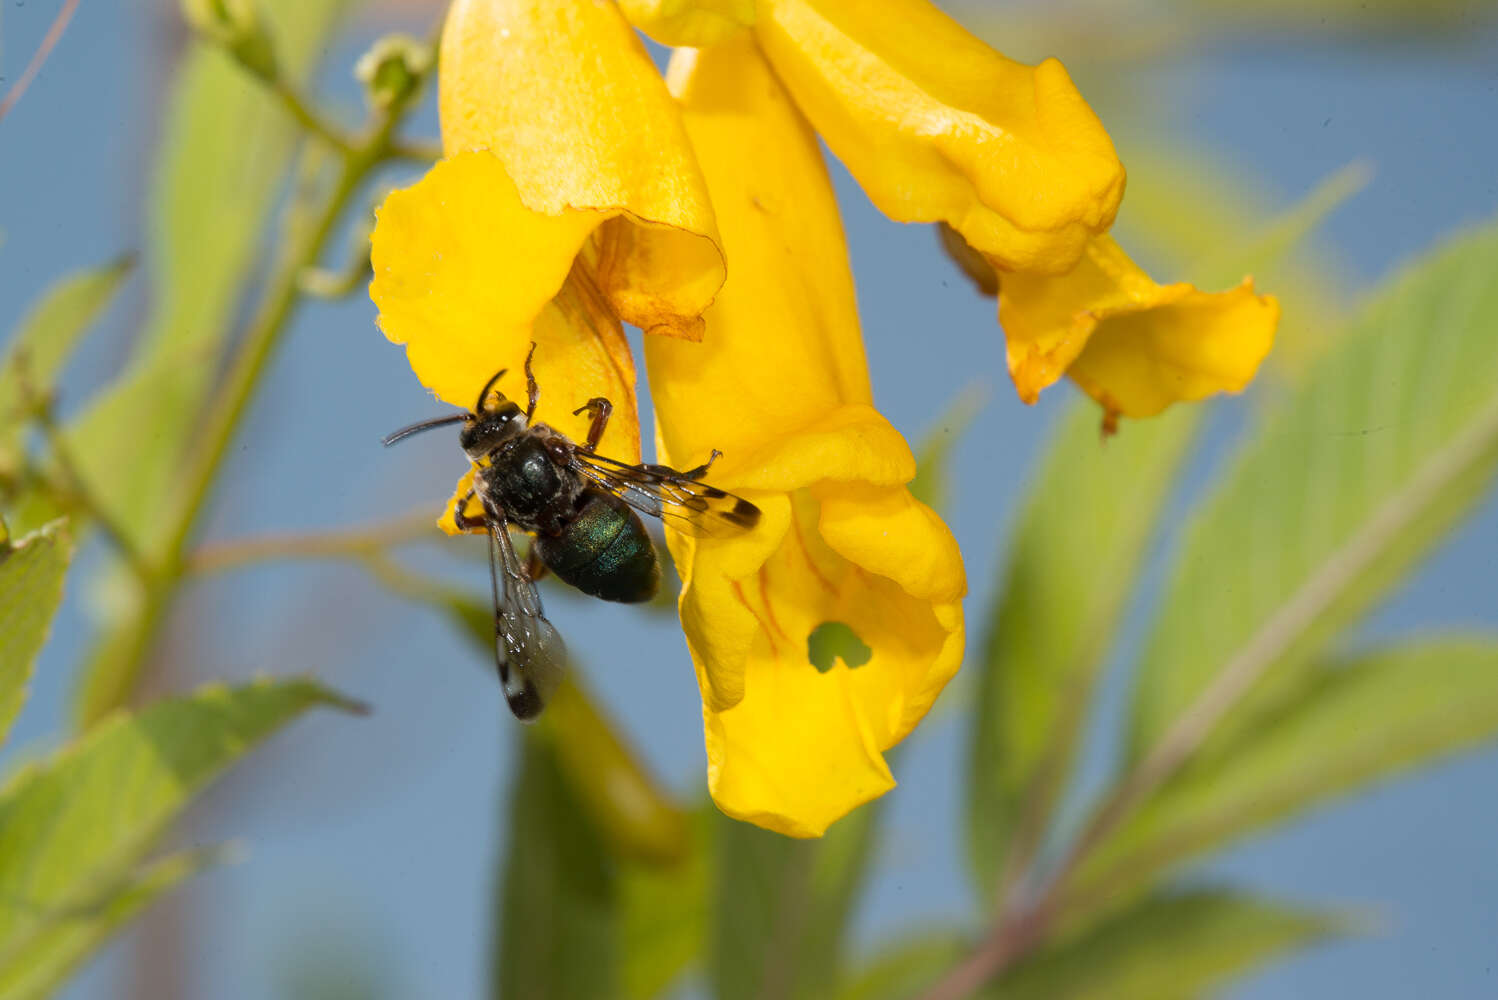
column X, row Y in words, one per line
column 309, row 119
column 129, row 646
column 282, row 295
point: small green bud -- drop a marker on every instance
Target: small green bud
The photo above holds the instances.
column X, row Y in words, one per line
column 237, row 26
column 392, row 71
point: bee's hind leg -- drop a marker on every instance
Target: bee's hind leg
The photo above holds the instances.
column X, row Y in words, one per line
column 535, row 568
column 600, row 410
column 701, row 470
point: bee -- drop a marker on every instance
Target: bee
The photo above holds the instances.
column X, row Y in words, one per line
column 580, row 509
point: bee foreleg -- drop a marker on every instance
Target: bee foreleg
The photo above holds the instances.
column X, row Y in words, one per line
column 600, row 410
column 461, row 519
column 532, row 391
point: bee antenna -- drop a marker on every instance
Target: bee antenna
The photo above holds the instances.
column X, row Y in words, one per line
column 484, row 392
column 425, row 425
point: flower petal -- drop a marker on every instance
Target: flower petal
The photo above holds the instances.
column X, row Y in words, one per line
column 566, row 96
column 781, row 385
column 468, row 278
column 695, row 23
column 1133, row 345
column 937, row 126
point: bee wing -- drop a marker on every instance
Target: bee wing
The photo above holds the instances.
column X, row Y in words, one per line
column 678, row 499
column 528, row 651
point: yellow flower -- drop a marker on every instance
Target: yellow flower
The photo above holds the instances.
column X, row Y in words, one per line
column 569, row 199
column 938, row 127
column 780, row 384
column 1133, row 345
column 934, row 124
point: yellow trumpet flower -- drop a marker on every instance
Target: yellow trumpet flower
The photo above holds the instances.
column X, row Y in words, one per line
column 568, row 200
column 579, row 192
column 781, row 385
column 938, row 127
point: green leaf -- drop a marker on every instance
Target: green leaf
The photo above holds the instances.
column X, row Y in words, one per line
column 45, row 338
column 1076, row 553
column 559, row 900
column 69, row 937
column 1347, row 724
column 209, row 200
column 782, row 906
column 1167, row 948
column 638, row 822
column 83, row 819
column 31, row 575
column 209, row 206
column 1272, row 245
column 664, row 915
column 127, row 443
column 905, row 968
column 1378, row 452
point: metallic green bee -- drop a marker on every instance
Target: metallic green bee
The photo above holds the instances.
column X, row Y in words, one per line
column 580, row 507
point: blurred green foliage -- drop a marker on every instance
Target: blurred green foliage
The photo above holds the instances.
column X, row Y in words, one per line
column 1378, row 436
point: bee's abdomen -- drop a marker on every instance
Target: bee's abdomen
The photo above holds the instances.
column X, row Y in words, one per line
column 604, row 551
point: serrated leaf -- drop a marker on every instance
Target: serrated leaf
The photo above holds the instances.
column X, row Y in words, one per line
column 68, row 938
column 1378, row 452
column 1077, row 548
column 904, row 969
column 31, row 576
column 1347, row 724
column 45, row 338
column 781, row 907
column 1167, row 948
column 82, row 819
column 559, row 899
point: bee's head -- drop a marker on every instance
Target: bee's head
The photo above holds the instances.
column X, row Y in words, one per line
column 496, row 421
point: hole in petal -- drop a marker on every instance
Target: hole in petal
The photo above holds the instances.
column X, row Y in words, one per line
column 833, row 641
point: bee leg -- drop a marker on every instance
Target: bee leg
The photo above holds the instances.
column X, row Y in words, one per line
column 535, row 568
column 532, row 391
column 600, row 409
column 701, row 470
column 462, row 520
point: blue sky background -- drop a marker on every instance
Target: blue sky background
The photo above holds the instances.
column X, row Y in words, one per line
column 374, row 837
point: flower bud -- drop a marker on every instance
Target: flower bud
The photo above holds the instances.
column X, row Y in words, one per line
column 237, row 26
column 392, row 71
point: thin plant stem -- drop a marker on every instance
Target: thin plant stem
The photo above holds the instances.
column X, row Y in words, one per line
column 309, row 119
column 49, row 41
column 260, row 341
column 223, row 556
column 307, row 236
column 419, row 152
